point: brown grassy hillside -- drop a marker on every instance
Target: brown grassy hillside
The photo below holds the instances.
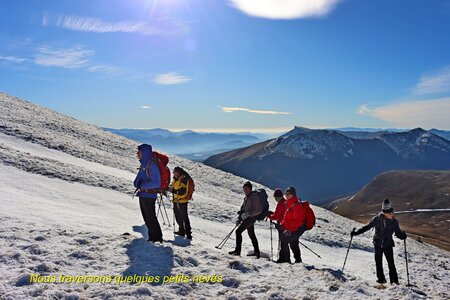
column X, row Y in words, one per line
column 408, row 191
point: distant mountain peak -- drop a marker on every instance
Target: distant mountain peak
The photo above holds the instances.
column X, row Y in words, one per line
column 414, row 143
column 311, row 144
column 296, row 130
column 418, row 130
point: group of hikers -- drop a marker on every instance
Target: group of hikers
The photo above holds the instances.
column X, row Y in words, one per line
column 289, row 218
column 292, row 217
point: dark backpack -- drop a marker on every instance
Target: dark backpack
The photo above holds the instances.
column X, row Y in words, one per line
column 310, row 218
column 262, row 195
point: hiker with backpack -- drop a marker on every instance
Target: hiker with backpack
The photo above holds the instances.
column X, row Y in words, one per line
column 147, row 182
column 385, row 226
column 254, row 208
column 182, row 190
column 291, row 227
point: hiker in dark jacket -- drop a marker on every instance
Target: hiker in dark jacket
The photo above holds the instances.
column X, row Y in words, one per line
column 147, row 181
column 385, row 225
column 291, row 227
column 180, row 187
column 248, row 214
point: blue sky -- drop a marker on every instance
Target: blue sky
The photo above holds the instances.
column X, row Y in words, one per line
column 231, row 65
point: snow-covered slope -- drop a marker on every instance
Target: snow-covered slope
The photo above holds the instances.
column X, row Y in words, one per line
column 66, row 209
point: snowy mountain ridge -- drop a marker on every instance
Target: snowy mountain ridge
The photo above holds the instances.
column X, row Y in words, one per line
column 413, row 143
column 310, row 144
column 67, row 210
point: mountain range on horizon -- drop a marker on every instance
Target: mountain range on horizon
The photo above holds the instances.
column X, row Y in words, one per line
column 199, row 146
column 330, row 164
column 196, row 146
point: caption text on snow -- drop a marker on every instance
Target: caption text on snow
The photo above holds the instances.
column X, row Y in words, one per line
column 120, row 279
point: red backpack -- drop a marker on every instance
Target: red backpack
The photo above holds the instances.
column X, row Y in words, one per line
column 164, row 171
column 310, row 219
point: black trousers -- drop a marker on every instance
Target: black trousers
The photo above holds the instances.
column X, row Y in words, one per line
column 149, row 214
column 181, row 216
column 389, row 254
column 249, row 225
column 292, row 241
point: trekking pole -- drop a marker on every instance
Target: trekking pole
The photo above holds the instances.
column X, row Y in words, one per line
column 406, row 259
column 279, row 247
column 310, row 249
column 165, row 210
column 173, row 217
column 159, row 209
column 348, row 249
column 271, row 242
column 224, row 241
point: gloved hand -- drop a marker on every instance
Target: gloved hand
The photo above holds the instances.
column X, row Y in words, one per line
column 353, row 233
column 404, row 236
column 238, row 221
column 277, row 226
column 244, row 216
column 269, row 212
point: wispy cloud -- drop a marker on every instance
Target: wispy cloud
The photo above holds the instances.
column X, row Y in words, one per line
column 145, row 106
column 69, row 58
column 106, row 69
column 262, row 112
column 44, row 20
column 434, row 83
column 285, row 9
column 158, row 26
column 13, row 59
column 424, row 113
column 171, row 78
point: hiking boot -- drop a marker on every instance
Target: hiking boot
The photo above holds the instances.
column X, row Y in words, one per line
column 381, row 281
column 257, row 254
column 298, row 260
column 189, row 236
column 180, row 233
column 235, row 253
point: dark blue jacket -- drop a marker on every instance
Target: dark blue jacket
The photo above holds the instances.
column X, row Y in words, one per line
column 148, row 176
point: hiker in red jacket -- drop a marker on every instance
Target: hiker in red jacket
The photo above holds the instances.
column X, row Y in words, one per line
column 279, row 212
column 278, row 215
column 292, row 226
column 280, row 209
